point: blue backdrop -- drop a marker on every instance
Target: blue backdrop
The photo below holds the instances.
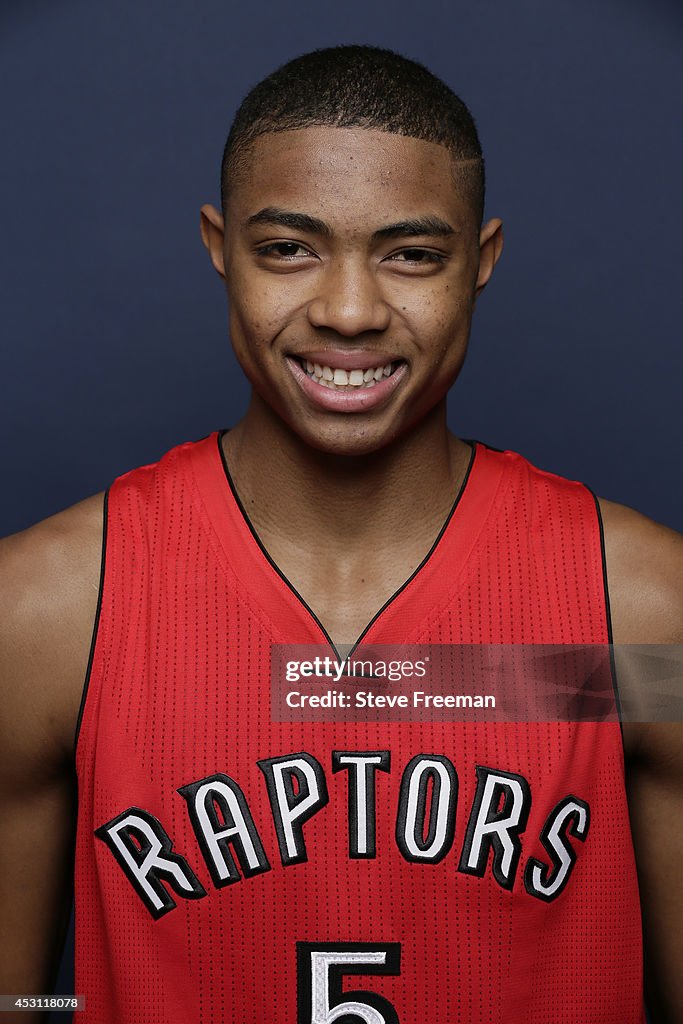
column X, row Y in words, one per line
column 114, row 325
column 114, row 116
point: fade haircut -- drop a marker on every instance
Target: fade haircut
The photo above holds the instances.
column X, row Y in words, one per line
column 359, row 87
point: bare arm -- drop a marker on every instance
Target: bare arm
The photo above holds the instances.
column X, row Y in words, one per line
column 49, row 579
column 645, row 573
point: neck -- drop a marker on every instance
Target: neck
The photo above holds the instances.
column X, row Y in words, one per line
column 345, row 504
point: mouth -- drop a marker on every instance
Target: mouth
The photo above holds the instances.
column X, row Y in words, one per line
column 342, row 379
column 347, row 381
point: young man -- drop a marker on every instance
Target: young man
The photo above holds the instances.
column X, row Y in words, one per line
column 232, row 866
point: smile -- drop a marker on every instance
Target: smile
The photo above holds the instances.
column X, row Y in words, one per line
column 348, row 388
column 338, row 378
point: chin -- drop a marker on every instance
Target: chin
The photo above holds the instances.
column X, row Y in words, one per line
column 352, row 441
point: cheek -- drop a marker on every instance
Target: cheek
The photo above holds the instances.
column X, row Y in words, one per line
column 254, row 315
column 441, row 320
column 260, row 305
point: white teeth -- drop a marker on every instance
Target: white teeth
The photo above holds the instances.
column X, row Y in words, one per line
column 338, row 378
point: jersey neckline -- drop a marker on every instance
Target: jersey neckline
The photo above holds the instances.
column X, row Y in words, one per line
column 248, row 558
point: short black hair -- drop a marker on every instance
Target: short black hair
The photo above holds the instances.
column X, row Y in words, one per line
column 359, row 87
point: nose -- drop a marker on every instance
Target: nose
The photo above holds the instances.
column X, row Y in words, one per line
column 349, row 301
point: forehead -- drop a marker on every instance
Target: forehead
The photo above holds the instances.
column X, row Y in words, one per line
column 351, row 177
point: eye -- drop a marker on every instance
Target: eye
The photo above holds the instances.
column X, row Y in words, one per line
column 284, row 250
column 419, row 256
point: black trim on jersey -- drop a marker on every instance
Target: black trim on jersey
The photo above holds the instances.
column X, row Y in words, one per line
column 492, row 448
column 549, row 874
column 491, row 840
column 96, row 623
column 418, row 837
column 370, row 770
column 608, row 612
column 294, row 798
column 194, row 890
column 337, row 995
column 213, row 801
column 291, row 586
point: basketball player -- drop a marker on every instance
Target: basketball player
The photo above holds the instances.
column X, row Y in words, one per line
column 231, row 867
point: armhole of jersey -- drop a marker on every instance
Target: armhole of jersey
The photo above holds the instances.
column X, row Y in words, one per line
column 95, row 630
column 608, row 612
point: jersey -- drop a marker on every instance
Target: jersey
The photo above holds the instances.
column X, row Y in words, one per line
column 238, row 867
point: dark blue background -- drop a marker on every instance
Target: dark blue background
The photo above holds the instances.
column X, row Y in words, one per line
column 114, row 116
column 114, row 325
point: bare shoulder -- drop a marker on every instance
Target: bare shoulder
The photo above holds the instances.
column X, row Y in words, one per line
column 644, row 562
column 645, row 576
column 49, row 586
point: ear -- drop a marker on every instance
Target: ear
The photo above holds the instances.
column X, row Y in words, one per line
column 213, row 235
column 490, row 248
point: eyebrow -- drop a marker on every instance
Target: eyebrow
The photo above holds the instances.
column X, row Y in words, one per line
column 430, row 226
column 289, row 219
column 434, row 227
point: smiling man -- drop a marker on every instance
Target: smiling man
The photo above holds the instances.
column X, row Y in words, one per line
column 234, row 866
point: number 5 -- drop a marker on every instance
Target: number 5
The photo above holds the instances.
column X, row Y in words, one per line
column 321, row 967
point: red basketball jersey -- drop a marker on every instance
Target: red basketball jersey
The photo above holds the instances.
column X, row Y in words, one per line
column 235, row 868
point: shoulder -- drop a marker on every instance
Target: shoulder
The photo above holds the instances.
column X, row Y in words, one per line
column 644, row 563
column 50, row 577
column 645, row 578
